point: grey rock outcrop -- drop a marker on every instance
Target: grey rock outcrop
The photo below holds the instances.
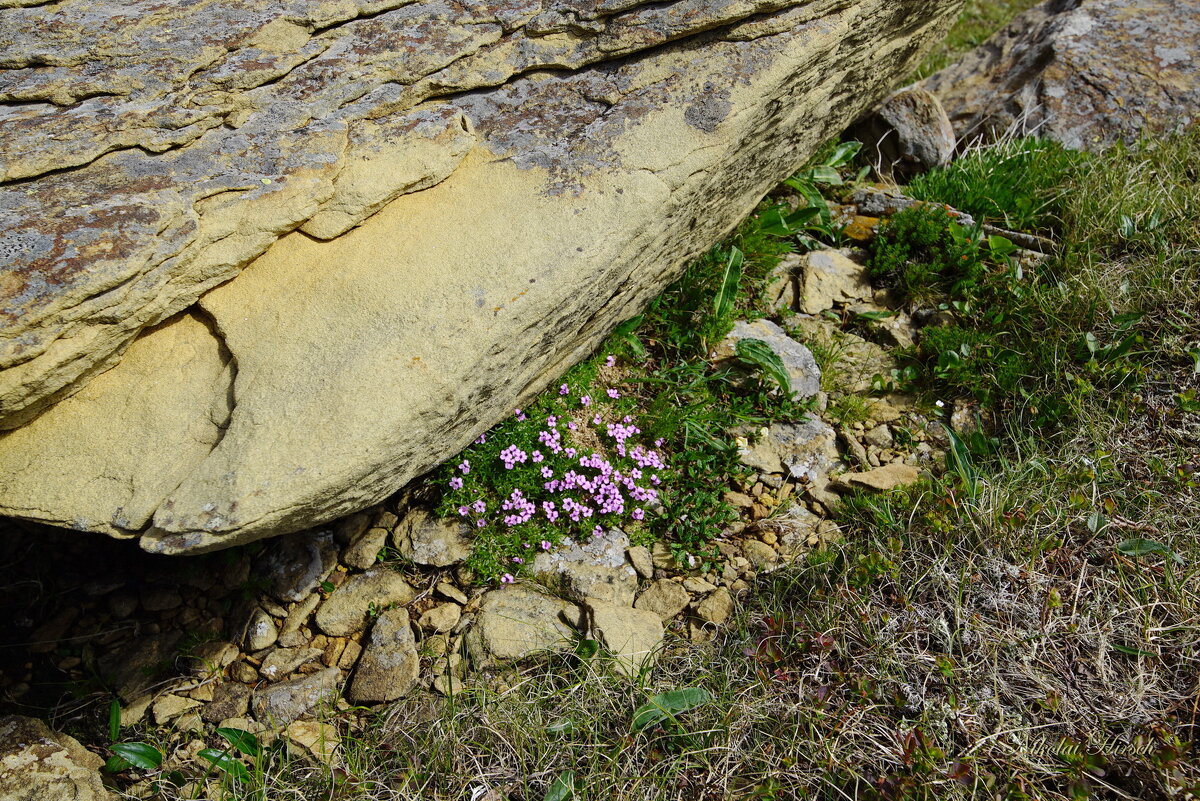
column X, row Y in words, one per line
column 1086, row 73
column 367, row 227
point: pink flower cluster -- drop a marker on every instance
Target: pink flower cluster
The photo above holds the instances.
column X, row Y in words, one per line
column 512, row 456
column 570, row 491
column 522, row 509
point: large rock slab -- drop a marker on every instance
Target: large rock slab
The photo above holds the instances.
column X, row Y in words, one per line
column 422, row 223
column 1086, row 73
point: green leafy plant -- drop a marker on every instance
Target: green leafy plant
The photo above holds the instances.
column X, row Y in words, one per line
column 727, row 291
column 562, row 788
column 1144, row 547
column 666, row 706
column 136, row 755
column 757, row 353
column 811, row 224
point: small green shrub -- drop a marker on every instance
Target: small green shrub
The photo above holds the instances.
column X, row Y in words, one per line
column 1017, row 184
column 923, row 252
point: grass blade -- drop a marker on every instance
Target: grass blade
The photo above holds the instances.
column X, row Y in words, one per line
column 723, row 304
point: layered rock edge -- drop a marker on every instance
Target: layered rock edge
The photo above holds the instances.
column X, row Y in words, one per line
column 457, row 249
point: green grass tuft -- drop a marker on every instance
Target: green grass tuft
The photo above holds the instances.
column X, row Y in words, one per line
column 1016, row 184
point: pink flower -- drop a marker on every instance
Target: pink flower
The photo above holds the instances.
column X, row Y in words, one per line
column 545, row 545
column 598, row 531
column 564, row 389
column 464, row 466
column 586, row 400
column 462, row 511
column 612, row 393
column 507, row 578
column 596, row 420
column 482, row 439
column 610, row 361
column 480, row 523
column 638, row 514
column 518, row 560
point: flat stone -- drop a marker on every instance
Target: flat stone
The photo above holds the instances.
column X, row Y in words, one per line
column 318, row 738
column 243, row 672
column 133, row 712
column 642, row 561
column 882, row 479
column 40, row 764
column 363, row 548
column 230, row 699
column 430, row 540
column 739, row 499
column 831, row 277
column 632, row 636
column 168, row 707
column 448, row 590
column 209, row 658
column 664, row 598
column 441, row 618
column 283, row 661
column 261, row 632
column 803, row 373
column 350, row 655
column 345, row 611
column 762, row 556
column 782, row 289
column 447, row 685
column 280, row 704
column 594, row 570
column 389, row 666
column 515, row 622
column 717, row 607
column 804, row 451
column 880, row 436
column 299, row 614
